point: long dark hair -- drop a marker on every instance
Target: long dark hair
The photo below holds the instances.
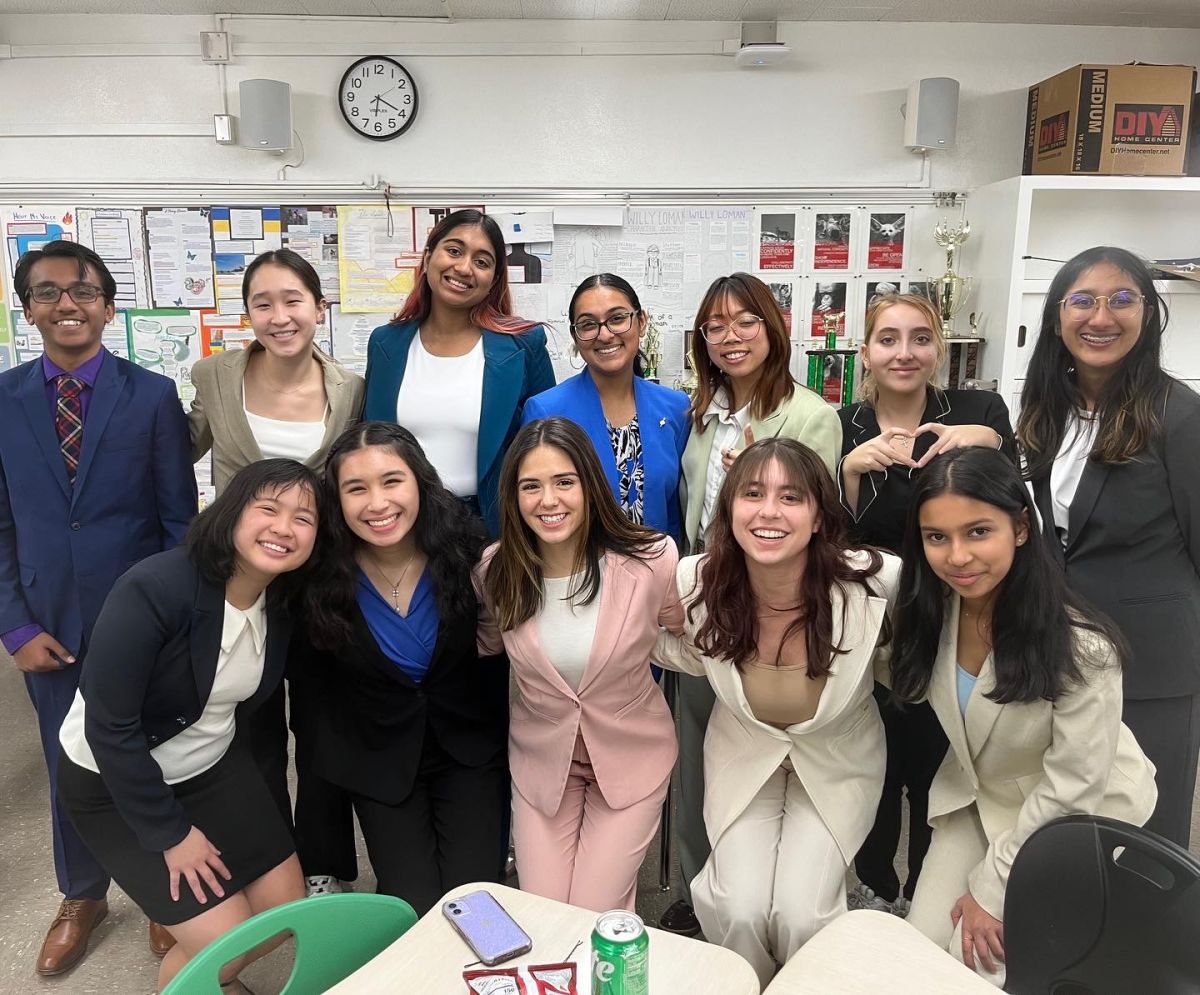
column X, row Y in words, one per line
column 1034, row 612
column 1128, row 411
column 494, row 312
column 209, row 538
column 448, row 535
column 730, row 629
column 621, row 286
column 514, row 577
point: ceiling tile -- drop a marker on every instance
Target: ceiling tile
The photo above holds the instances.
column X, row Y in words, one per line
column 631, row 10
column 705, row 10
column 485, row 10
column 402, row 8
column 851, row 12
column 779, row 10
column 557, row 9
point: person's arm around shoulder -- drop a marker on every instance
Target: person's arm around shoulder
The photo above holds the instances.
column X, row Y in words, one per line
column 886, row 584
column 358, row 395
column 376, row 405
column 174, row 478
column 673, row 650
column 820, row 429
column 198, row 426
column 539, row 372
column 488, row 639
column 670, row 612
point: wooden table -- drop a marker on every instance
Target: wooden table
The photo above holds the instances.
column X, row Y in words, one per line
column 864, row 953
column 431, row 956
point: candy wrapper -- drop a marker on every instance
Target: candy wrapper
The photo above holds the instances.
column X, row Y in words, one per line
column 554, row 979
column 494, row 981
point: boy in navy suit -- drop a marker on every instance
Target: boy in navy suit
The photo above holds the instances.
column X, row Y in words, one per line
column 95, row 474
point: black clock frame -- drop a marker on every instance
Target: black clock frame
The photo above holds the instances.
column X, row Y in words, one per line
column 412, row 117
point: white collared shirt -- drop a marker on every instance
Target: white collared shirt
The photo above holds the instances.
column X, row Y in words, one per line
column 1067, row 469
column 728, row 434
column 202, row 744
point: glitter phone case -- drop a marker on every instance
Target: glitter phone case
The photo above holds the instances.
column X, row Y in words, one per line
column 487, row 928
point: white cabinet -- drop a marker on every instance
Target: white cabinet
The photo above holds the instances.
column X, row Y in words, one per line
column 1056, row 217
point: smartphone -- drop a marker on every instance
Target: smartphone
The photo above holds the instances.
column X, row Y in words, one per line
column 487, row 928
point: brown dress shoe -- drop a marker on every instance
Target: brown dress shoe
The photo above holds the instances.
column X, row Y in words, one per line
column 161, row 939
column 67, row 940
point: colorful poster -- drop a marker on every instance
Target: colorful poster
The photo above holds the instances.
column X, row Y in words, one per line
column 777, row 242
column 376, row 261
column 179, row 240
column 424, row 218
column 312, row 232
column 168, row 341
column 885, row 246
column 782, row 292
column 829, row 309
column 27, row 340
column 8, row 357
column 831, row 245
column 116, row 236
column 238, row 235
column 880, row 288
column 28, row 228
column 351, row 333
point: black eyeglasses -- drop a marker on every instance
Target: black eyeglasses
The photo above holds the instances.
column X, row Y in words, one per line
column 587, row 329
column 51, row 293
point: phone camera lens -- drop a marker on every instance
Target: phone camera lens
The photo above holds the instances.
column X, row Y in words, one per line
column 455, row 910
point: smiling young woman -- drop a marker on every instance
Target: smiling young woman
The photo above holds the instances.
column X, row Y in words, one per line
column 1110, row 445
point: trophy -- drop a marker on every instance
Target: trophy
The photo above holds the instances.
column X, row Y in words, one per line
column 952, row 289
column 651, row 349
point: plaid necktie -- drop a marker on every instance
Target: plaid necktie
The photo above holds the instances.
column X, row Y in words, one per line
column 68, row 421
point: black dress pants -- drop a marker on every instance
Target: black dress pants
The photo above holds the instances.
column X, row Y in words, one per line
column 1168, row 731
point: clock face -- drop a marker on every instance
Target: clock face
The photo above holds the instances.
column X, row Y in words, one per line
column 378, row 98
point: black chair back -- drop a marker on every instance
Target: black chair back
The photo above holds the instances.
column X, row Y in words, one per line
column 1100, row 907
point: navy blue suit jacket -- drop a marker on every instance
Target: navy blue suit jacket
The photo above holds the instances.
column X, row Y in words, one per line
column 515, row 367
column 664, row 426
column 62, row 548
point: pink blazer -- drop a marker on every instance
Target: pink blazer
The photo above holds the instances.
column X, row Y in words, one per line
column 619, row 710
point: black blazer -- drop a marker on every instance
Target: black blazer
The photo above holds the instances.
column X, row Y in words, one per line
column 1133, row 545
column 363, row 723
column 147, row 675
column 884, row 497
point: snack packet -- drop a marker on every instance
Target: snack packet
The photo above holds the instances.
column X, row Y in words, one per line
column 554, row 979
column 494, row 981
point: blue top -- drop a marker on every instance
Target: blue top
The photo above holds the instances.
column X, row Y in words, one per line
column 664, row 426
column 966, row 684
column 515, row 367
column 407, row 640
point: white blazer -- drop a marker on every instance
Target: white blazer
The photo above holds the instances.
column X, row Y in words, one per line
column 838, row 754
column 1025, row 764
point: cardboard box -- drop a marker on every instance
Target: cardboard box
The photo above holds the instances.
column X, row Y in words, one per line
column 1111, row 121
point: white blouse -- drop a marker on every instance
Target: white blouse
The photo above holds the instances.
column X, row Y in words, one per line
column 296, row 440
column 199, row 747
column 728, row 434
column 1068, row 467
column 566, row 629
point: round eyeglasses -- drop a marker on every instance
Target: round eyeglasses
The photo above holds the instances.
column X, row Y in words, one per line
column 586, row 329
column 51, row 293
column 1084, row 303
column 745, row 327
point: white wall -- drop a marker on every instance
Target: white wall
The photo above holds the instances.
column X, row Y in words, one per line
column 831, row 116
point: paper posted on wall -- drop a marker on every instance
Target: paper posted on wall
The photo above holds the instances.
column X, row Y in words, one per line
column 181, row 256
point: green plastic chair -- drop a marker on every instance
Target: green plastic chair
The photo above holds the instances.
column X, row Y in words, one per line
column 335, row 936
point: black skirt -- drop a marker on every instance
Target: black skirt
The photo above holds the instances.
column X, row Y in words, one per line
column 229, row 803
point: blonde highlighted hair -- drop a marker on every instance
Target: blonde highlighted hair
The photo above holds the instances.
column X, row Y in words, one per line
column 868, row 390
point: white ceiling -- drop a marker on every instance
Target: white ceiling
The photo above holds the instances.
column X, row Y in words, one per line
column 1130, row 13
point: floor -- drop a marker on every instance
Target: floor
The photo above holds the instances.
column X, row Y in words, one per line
column 119, row 959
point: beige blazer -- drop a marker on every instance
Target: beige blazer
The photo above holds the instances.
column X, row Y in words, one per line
column 1026, row 763
column 838, row 754
column 218, row 417
column 805, row 417
column 618, row 710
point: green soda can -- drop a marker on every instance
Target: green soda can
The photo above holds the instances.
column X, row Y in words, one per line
column 620, row 955
column 848, row 381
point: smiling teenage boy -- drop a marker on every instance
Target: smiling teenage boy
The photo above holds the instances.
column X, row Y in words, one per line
column 95, row 474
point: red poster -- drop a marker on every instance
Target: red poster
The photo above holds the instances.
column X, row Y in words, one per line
column 831, row 250
column 885, row 249
column 829, row 304
column 777, row 242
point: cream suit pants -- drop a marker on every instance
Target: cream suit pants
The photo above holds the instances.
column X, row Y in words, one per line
column 958, row 845
column 775, row 877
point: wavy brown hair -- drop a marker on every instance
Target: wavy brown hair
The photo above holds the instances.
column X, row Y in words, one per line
column 730, row 294
column 730, row 630
column 869, row 389
column 1129, row 409
column 514, row 587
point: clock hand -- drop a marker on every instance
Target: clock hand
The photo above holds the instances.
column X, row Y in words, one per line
column 392, row 106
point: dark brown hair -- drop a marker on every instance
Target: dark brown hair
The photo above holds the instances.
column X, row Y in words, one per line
column 514, row 577
column 775, row 384
column 730, row 630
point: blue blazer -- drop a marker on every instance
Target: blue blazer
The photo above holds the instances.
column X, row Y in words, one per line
column 664, row 425
column 62, row 548
column 515, row 367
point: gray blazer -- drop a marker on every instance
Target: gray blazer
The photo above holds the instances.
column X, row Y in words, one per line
column 218, row 417
column 1133, row 548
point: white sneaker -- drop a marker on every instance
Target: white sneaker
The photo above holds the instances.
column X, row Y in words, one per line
column 322, row 884
column 901, row 907
column 863, row 897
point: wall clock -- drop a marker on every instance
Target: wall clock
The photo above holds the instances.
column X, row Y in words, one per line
column 378, row 98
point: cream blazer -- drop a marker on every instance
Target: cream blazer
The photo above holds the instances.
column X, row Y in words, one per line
column 838, row 754
column 805, row 417
column 1026, row 763
column 218, row 422
column 619, row 711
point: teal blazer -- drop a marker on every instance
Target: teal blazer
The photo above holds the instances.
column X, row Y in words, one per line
column 515, row 367
column 664, row 425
